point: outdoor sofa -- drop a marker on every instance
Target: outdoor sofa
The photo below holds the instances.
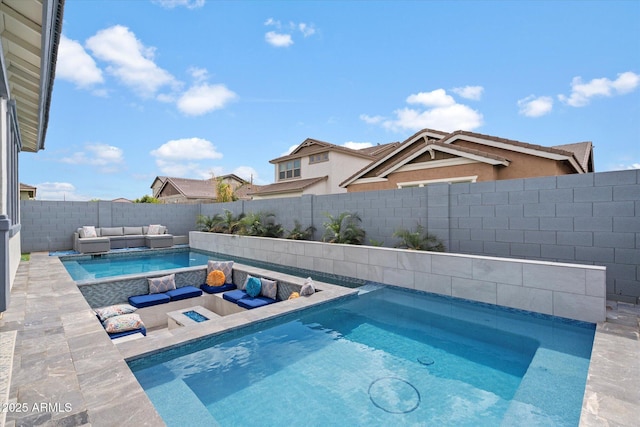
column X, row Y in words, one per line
column 90, row 239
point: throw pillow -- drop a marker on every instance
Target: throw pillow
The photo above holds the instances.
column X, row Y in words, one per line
column 268, row 288
column 123, row 323
column 154, row 229
column 114, row 310
column 225, row 266
column 88, row 231
column 294, row 295
column 215, row 278
column 253, row 287
column 158, row 285
column 307, row 288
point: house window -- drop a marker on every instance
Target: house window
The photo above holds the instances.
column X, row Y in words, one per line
column 290, row 169
column 317, row 158
column 456, row 180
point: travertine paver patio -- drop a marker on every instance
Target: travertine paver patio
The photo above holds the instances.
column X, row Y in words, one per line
column 67, row 372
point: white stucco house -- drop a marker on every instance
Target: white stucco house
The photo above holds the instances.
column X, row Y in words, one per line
column 30, row 34
column 317, row 167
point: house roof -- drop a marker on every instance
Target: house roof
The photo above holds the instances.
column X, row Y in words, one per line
column 192, row 188
column 429, row 139
column 122, row 200
column 287, row 186
column 27, row 187
column 370, row 153
column 30, row 32
column 582, row 151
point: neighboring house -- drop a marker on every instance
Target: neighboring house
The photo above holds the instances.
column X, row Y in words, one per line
column 27, row 192
column 30, row 35
column 431, row 156
column 122, row 200
column 318, row 167
column 184, row 190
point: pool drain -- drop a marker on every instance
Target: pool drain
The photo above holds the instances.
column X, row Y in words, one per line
column 394, row 395
column 426, row 360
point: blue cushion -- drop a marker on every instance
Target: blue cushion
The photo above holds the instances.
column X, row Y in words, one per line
column 140, row 301
column 250, row 302
column 217, row 289
column 253, row 286
column 183, row 293
column 235, row 296
column 115, row 335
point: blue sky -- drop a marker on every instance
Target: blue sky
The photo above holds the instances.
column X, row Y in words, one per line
column 191, row 88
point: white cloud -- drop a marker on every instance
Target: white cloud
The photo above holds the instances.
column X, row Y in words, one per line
column 290, row 150
column 469, row 92
column 74, row 64
column 581, row 93
column 186, row 149
column 130, row 61
column 372, row 120
column 203, row 98
column 284, row 36
column 533, row 106
column 357, row 145
column 435, row 98
column 189, row 4
column 58, row 191
column 633, row 166
column 278, row 39
column 441, row 112
column 106, row 157
column 247, row 173
column 306, row 29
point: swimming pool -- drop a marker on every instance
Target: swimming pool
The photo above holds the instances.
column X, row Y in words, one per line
column 387, row 357
column 89, row 267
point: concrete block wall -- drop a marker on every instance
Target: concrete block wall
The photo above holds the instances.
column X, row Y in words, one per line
column 586, row 219
column 565, row 290
column 49, row 225
column 591, row 219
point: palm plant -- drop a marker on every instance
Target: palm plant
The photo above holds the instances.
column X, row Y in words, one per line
column 419, row 240
column 226, row 223
column 297, row 233
column 344, row 228
column 261, row 224
column 205, row 223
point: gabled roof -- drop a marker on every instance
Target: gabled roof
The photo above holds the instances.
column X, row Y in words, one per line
column 30, row 32
column 582, row 151
column 191, row 188
column 429, row 139
column 27, row 187
column 287, row 186
column 317, row 146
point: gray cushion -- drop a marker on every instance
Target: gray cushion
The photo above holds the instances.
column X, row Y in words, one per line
column 111, row 231
column 132, row 231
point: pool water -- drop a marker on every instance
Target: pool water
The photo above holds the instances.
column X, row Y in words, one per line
column 88, row 267
column 387, row 357
column 195, row 316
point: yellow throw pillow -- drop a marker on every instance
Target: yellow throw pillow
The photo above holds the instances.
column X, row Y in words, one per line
column 215, row 278
column 294, row 295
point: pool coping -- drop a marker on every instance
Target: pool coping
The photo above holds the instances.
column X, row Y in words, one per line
column 62, row 355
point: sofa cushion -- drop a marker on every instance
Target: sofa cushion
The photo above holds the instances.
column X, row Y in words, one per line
column 225, row 266
column 253, row 286
column 104, row 313
column 158, row 285
column 140, row 301
column 123, row 323
column 88, row 231
column 269, row 288
column 154, row 230
column 110, row 231
column 141, row 330
column 235, row 296
column 184, row 293
column 256, row 302
column 129, row 231
column 217, row 289
column 216, row 278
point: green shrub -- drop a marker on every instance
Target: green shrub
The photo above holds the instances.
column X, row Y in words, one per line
column 419, row 240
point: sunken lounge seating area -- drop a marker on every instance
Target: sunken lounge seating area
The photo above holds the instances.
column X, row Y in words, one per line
column 90, row 239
